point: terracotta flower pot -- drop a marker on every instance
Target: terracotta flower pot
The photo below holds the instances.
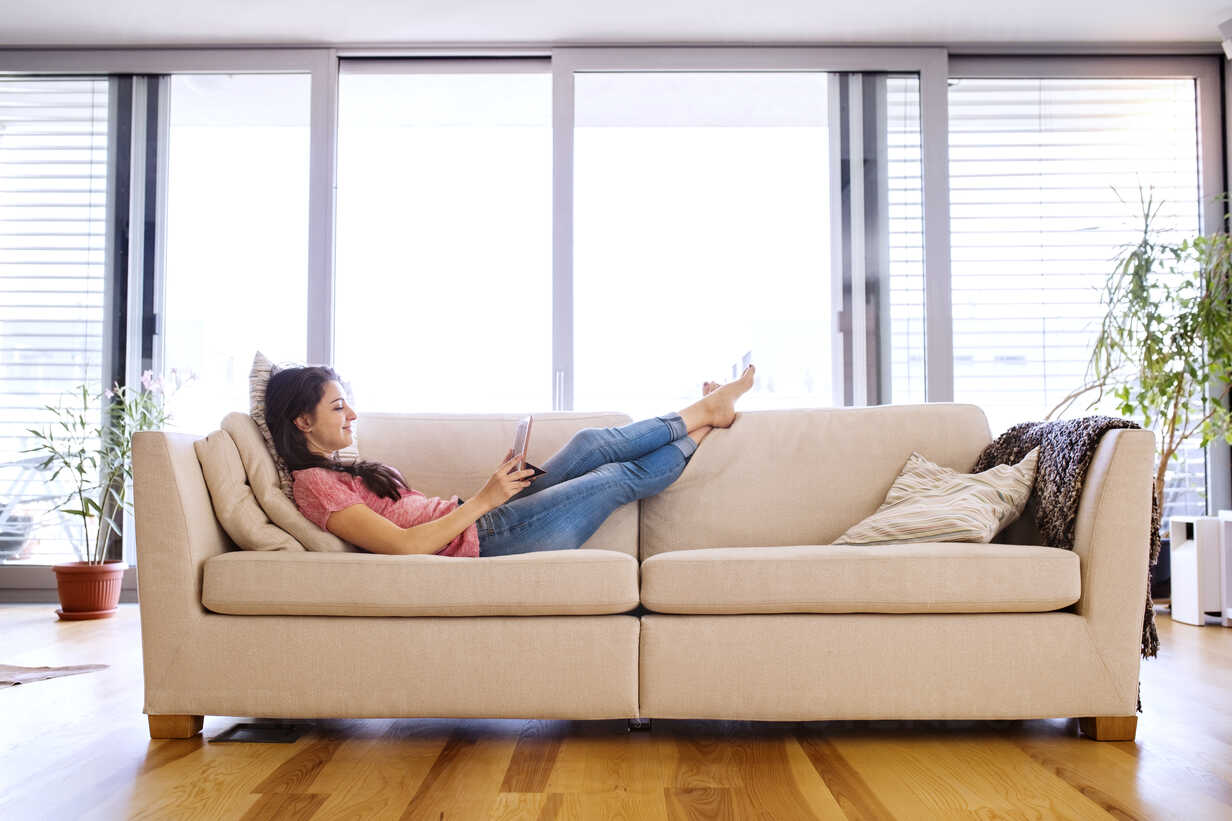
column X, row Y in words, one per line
column 88, row 591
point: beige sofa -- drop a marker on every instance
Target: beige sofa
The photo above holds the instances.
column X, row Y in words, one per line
column 720, row 598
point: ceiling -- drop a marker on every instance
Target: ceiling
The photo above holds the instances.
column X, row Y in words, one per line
column 43, row 23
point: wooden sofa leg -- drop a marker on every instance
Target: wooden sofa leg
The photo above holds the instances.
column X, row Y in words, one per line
column 177, row 726
column 1109, row 728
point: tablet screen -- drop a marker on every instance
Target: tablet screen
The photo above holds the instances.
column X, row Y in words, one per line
column 520, row 441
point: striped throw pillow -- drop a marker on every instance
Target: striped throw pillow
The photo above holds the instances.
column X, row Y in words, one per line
column 258, row 378
column 930, row 503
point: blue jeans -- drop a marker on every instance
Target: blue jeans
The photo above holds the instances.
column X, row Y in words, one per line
column 599, row 470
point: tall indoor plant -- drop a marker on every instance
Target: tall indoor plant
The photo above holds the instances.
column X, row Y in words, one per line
column 90, row 440
column 1164, row 348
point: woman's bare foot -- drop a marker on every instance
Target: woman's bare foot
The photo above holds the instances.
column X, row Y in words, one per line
column 723, row 400
column 717, row 407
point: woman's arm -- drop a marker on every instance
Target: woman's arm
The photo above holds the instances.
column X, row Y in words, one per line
column 364, row 527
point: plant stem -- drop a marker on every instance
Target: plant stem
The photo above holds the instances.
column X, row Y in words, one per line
column 1073, row 397
column 85, row 524
column 1171, row 443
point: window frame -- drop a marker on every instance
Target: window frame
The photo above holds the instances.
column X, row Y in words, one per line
column 929, row 63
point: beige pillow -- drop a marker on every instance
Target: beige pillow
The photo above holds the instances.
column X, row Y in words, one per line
column 234, row 505
column 930, row 503
column 263, row 479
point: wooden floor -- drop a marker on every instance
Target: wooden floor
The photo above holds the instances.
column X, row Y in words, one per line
column 78, row 747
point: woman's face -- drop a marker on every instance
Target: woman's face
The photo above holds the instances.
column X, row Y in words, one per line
column 328, row 427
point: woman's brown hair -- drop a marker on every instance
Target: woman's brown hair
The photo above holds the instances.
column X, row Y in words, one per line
column 295, row 391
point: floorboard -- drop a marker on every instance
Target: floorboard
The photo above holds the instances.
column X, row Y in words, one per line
column 78, row 747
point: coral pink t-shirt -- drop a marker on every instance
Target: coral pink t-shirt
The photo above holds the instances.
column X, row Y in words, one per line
column 320, row 492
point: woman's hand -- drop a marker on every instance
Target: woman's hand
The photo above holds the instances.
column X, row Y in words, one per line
column 505, row 483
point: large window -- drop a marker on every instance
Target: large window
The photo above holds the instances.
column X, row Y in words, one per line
column 1045, row 180
column 236, row 227
column 53, row 198
column 768, row 216
column 444, row 259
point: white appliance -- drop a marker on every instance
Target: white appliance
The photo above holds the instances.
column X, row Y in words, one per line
column 1197, row 568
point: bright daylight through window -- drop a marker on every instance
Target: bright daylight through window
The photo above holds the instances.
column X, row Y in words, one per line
column 714, row 222
column 443, row 282
column 236, row 235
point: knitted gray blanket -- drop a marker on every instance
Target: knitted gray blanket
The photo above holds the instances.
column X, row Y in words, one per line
column 1066, row 448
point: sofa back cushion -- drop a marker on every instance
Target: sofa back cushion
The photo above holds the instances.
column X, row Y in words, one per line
column 442, row 454
column 802, row 476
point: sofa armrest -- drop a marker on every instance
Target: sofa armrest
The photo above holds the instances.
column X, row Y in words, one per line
column 176, row 531
column 1112, row 540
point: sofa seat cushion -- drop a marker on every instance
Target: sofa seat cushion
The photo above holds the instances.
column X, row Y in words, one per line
column 567, row 582
column 925, row 577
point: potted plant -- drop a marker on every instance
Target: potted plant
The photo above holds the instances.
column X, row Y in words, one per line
column 90, row 440
column 1164, row 349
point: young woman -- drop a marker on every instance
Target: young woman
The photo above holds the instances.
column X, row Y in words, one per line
column 370, row 505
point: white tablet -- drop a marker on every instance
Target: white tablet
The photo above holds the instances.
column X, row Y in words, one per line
column 521, row 440
column 521, row 444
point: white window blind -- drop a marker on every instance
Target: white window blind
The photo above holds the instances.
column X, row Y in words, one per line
column 1045, row 176
column 53, row 172
column 906, row 238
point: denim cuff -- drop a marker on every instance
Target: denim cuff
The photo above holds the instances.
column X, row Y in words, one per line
column 676, row 423
column 685, row 445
